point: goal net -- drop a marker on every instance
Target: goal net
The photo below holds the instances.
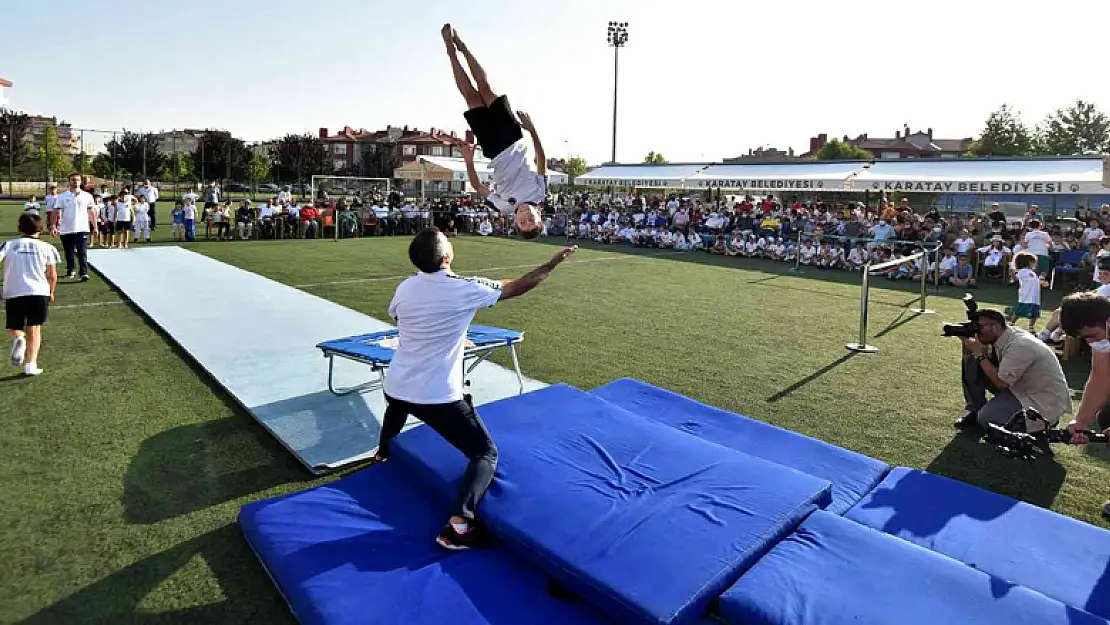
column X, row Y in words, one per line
column 350, row 188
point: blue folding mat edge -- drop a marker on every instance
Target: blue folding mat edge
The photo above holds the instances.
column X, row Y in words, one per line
column 1058, row 556
column 833, row 571
column 852, row 475
column 361, row 551
column 645, row 522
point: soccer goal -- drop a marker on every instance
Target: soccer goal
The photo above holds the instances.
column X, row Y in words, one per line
column 349, row 188
column 355, row 192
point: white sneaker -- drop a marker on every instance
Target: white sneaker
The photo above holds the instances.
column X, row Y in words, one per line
column 32, row 369
column 19, row 347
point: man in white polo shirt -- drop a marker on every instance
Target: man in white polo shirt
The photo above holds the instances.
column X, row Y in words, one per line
column 76, row 218
column 150, row 192
column 514, row 188
column 433, row 310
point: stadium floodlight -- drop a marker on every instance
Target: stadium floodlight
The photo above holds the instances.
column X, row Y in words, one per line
column 617, row 38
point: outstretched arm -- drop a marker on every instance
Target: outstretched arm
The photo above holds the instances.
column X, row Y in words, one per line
column 468, row 156
column 541, row 158
column 532, row 279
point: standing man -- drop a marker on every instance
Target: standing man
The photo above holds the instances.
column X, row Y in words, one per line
column 433, row 310
column 514, row 188
column 76, row 218
column 150, row 192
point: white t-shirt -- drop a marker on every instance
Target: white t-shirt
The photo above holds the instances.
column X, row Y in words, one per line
column 190, row 211
column 1029, row 289
column 49, row 202
column 25, row 260
column 123, row 211
column 513, row 182
column 31, row 207
column 1092, row 235
column 1037, row 242
column 142, row 209
column 948, row 263
column 149, row 193
column 433, row 312
column 963, row 245
column 1103, row 291
column 75, row 211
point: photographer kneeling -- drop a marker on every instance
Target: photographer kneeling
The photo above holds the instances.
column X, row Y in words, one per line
column 1017, row 368
column 1086, row 315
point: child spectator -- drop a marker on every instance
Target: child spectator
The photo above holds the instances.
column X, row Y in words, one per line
column 996, row 255
column 123, row 218
column 808, row 253
column 103, row 232
column 190, row 219
column 948, row 265
column 142, row 218
column 1092, row 233
column 857, row 258
column 30, row 275
column 1029, row 289
column 964, row 274
column 31, row 207
column 751, row 248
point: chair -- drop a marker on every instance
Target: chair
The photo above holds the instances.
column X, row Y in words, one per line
column 1068, row 263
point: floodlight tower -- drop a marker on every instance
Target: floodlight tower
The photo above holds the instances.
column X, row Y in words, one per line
column 617, row 38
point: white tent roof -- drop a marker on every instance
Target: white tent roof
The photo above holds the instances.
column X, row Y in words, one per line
column 1038, row 176
column 457, row 167
column 642, row 176
column 791, row 176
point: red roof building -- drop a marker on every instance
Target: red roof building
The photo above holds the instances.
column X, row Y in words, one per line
column 905, row 144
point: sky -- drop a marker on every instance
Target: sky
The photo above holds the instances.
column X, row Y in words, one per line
column 699, row 80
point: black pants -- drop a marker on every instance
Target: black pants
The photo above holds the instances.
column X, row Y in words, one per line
column 153, row 216
column 459, row 425
column 74, row 245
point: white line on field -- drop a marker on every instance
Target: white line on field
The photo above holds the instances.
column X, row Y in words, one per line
column 506, row 267
column 88, row 305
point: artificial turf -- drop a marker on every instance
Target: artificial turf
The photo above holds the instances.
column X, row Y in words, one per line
column 124, row 465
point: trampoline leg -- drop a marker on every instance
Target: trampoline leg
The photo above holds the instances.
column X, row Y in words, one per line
column 516, row 367
column 366, row 386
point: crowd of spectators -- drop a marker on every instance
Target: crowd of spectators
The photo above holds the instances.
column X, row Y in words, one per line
column 844, row 236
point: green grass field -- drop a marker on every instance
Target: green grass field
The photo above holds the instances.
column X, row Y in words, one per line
column 124, row 466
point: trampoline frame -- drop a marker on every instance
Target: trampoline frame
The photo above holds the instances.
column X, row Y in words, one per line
column 472, row 357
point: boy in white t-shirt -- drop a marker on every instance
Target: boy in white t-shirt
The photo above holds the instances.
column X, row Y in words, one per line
column 1029, row 289
column 514, row 188
column 30, row 275
column 142, row 219
column 31, row 206
column 122, row 221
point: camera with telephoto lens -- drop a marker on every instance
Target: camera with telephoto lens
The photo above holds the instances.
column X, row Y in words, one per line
column 1014, row 440
column 968, row 329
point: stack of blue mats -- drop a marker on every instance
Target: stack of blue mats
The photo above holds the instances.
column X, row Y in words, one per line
column 852, row 475
column 647, row 523
column 361, row 551
column 1058, row 556
column 834, row 571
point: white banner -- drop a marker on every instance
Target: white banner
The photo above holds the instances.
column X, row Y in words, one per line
column 794, row 184
column 980, row 186
column 645, row 183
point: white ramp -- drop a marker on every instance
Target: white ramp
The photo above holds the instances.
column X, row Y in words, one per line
column 257, row 338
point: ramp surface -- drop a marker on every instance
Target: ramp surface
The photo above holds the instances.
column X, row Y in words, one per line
column 645, row 522
column 257, row 338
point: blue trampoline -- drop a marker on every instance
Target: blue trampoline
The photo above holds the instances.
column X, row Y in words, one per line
column 377, row 348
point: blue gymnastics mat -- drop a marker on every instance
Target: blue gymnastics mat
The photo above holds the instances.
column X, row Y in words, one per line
column 1058, row 556
column 647, row 523
column 362, row 551
column 852, row 475
column 834, row 571
column 269, row 364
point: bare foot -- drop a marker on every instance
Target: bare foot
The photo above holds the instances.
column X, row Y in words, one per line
column 457, row 40
column 448, row 34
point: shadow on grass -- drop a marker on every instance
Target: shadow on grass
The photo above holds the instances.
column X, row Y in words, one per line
column 249, row 597
column 966, row 459
column 786, row 392
column 192, row 467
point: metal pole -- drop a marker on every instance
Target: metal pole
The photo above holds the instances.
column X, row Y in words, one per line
column 862, row 346
column 921, row 309
column 616, row 51
column 798, row 256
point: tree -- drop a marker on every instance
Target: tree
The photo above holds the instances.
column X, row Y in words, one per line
column 655, row 159
column 82, row 163
column 380, row 162
column 177, row 166
column 1079, row 129
column 51, row 156
column 259, row 168
column 837, row 150
column 135, row 153
column 1005, row 135
column 576, row 166
column 299, row 157
column 102, row 166
column 13, row 127
column 220, row 155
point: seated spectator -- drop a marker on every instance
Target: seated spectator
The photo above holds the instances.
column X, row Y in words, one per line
column 244, row 220
column 751, row 248
column 695, row 240
column 719, row 246
column 310, row 223
column 857, row 258
column 736, row 245
column 808, row 253
column 996, row 257
column 948, row 264
column 963, row 275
